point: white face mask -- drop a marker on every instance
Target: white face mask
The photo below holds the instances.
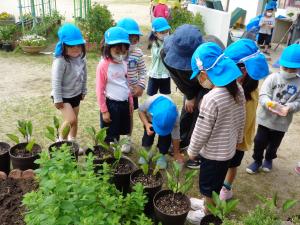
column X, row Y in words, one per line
column 162, row 36
column 132, row 47
column 118, row 58
column 207, row 84
column 287, row 75
column 269, row 14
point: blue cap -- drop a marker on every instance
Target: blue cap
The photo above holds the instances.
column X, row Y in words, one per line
column 116, row 35
column 220, row 69
column 68, row 34
column 271, row 5
column 164, row 114
column 130, row 25
column 290, row 57
column 160, row 24
column 246, row 51
column 180, row 46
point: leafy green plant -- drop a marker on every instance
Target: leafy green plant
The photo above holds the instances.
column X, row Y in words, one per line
column 7, row 33
column 53, row 132
column 261, row 215
column 150, row 158
column 70, row 194
column 25, row 128
column 33, row 40
column 180, row 16
column 98, row 20
column 221, row 208
column 98, row 137
column 174, row 182
column 6, row 16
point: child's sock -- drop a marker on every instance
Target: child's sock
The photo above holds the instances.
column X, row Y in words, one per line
column 70, row 138
column 227, row 185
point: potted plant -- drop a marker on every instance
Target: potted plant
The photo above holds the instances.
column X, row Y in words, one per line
column 32, row 43
column 220, row 209
column 7, row 34
column 150, row 177
column 6, row 18
column 24, row 154
column 172, row 206
column 52, row 134
column 4, row 157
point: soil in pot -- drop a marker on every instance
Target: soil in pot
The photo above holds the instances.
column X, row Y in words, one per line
column 11, row 195
column 23, row 159
column 74, row 147
column 4, row 157
column 211, row 219
column 152, row 184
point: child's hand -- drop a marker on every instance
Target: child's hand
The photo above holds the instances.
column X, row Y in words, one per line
column 138, row 91
column 106, row 117
column 277, row 109
column 190, row 105
column 59, row 105
column 149, row 129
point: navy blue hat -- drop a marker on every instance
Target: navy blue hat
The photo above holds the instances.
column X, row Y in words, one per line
column 246, row 51
column 220, row 69
column 180, row 46
column 290, row 57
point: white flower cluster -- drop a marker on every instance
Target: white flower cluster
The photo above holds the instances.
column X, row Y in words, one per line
column 33, row 40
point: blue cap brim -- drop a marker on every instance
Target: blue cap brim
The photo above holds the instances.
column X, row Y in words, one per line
column 257, row 67
column 224, row 73
column 75, row 42
column 287, row 64
column 195, row 73
column 121, row 41
column 133, row 32
column 163, row 28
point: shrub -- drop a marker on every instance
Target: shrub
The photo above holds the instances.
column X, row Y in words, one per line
column 180, row 16
column 7, row 33
column 98, row 20
column 69, row 194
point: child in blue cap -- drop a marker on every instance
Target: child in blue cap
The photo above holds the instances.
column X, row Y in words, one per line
column 69, row 76
column 136, row 68
column 112, row 89
column 159, row 78
column 220, row 124
column 159, row 115
column 254, row 67
column 279, row 99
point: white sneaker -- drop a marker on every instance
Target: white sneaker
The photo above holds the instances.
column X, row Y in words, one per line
column 195, row 217
column 197, row 204
column 126, row 148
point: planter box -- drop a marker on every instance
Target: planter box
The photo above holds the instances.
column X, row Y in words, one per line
column 32, row 49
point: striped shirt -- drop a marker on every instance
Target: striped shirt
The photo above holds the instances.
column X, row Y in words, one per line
column 136, row 69
column 219, row 127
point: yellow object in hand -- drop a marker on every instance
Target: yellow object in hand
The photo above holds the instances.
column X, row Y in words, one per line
column 270, row 104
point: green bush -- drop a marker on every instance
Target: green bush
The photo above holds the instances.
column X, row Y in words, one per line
column 181, row 16
column 70, row 194
column 8, row 33
column 98, row 20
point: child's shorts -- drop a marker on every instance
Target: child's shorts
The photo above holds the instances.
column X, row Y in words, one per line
column 212, row 175
column 237, row 159
column 74, row 101
column 161, row 85
column 264, row 39
column 120, row 119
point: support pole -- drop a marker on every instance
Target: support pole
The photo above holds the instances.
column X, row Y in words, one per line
column 21, row 14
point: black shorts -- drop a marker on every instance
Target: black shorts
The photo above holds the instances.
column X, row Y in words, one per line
column 264, row 39
column 120, row 119
column 161, row 85
column 135, row 103
column 74, row 101
column 237, row 159
column 212, row 175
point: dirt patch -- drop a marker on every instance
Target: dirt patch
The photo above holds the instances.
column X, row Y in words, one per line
column 11, row 195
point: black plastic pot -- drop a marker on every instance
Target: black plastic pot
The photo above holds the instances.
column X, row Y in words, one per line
column 27, row 162
column 150, row 191
column 165, row 218
column 8, row 47
column 122, row 180
column 211, row 219
column 4, row 158
column 74, row 147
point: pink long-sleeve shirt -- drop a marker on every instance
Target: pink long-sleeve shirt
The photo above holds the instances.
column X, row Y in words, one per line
column 111, row 82
column 161, row 10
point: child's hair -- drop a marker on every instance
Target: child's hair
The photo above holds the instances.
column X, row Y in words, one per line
column 233, row 89
column 152, row 38
column 249, row 85
column 64, row 51
column 105, row 49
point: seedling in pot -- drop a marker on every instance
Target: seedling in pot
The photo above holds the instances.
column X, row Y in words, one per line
column 174, row 183
column 98, row 137
column 117, row 153
column 150, row 159
column 221, row 208
column 25, row 128
column 53, row 132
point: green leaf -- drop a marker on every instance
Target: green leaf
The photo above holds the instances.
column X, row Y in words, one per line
column 274, row 199
column 177, row 168
column 22, row 127
column 144, row 154
column 230, row 206
column 56, row 122
column 212, row 209
column 216, row 199
column 14, row 138
column 118, row 154
column 145, row 168
column 66, row 130
column 156, row 157
column 288, row 204
column 186, row 187
column 50, row 136
column 29, row 128
column 156, row 169
column 30, row 145
column 50, row 130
